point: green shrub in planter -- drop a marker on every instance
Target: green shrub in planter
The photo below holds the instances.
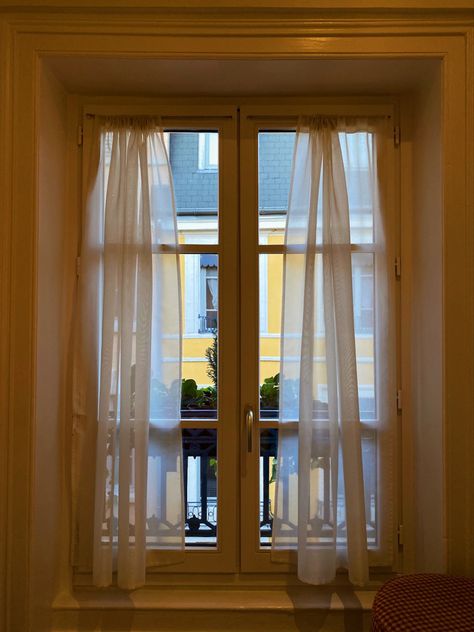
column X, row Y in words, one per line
column 270, row 392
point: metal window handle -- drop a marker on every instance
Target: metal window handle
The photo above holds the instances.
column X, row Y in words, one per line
column 249, row 427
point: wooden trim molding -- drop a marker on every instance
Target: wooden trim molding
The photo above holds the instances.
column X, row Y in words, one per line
column 406, row 6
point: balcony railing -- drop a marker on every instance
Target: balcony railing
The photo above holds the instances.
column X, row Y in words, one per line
column 207, row 324
column 201, row 515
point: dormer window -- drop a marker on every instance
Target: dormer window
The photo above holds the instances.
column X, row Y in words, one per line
column 208, row 151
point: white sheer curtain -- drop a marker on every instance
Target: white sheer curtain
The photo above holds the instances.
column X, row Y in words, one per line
column 213, row 286
column 320, row 504
column 128, row 354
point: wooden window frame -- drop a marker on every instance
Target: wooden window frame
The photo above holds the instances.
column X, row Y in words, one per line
column 252, row 120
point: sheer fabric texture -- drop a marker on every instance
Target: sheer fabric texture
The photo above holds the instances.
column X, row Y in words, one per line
column 128, row 353
column 322, row 506
column 213, row 285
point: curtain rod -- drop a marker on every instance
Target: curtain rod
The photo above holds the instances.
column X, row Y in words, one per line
column 164, row 117
column 252, row 117
column 293, row 117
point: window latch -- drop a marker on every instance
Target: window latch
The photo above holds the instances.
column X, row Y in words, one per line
column 400, row 535
column 398, row 267
column 249, row 427
column 399, row 401
column 396, row 135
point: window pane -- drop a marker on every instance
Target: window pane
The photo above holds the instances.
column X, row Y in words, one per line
column 320, row 486
column 195, row 167
column 275, row 156
column 208, row 150
column 199, row 287
column 357, row 152
column 200, row 486
column 363, row 297
column 369, row 465
column 271, row 286
column 268, row 453
column 271, row 280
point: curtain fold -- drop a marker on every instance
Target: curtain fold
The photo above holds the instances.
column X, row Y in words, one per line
column 129, row 344
column 321, row 507
column 213, row 288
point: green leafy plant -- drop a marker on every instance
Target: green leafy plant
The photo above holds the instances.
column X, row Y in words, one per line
column 194, row 398
column 270, row 392
column 273, row 469
column 213, row 464
column 211, row 356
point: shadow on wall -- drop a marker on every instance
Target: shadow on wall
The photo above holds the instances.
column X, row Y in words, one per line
column 348, row 617
column 123, row 621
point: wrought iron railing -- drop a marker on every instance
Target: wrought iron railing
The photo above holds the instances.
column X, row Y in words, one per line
column 201, row 515
column 207, row 324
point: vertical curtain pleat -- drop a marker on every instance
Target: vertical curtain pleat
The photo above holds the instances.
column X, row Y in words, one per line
column 138, row 359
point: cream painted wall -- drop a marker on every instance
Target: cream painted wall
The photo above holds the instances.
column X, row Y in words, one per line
column 55, row 283
column 427, row 334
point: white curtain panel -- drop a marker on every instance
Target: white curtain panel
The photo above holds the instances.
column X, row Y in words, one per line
column 213, row 286
column 321, row 506
column 129, row 345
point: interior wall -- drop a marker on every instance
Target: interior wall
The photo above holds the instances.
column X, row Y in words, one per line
column 427, row 326
column 53, row 333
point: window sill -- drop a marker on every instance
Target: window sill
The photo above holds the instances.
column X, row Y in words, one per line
column 290, row 599
column 213, row 606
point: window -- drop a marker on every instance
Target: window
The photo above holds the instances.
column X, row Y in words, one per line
column 207, row 219
column 363, row 290
column 209, row 294
column 267, row 147
column 200, row 206
column 232, row 327
column 274, row 166
column 208, row 151
column 201, row 289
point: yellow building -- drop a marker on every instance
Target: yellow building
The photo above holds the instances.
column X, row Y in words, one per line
column 199, row 281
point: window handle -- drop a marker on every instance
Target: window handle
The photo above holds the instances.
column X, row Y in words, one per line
column 249, row 427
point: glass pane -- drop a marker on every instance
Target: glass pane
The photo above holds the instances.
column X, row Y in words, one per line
column 357, row 155
column 268, row 453
column 369, row 465
column 275, row 156
column 320, row 490
column 200, row 300
column 194, row 163
column 271, row 287
column 271, row 280
column 200, row 486
column 364, row 306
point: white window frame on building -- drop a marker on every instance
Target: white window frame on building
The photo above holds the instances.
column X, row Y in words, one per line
column 208, row 151
column 208, row 312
